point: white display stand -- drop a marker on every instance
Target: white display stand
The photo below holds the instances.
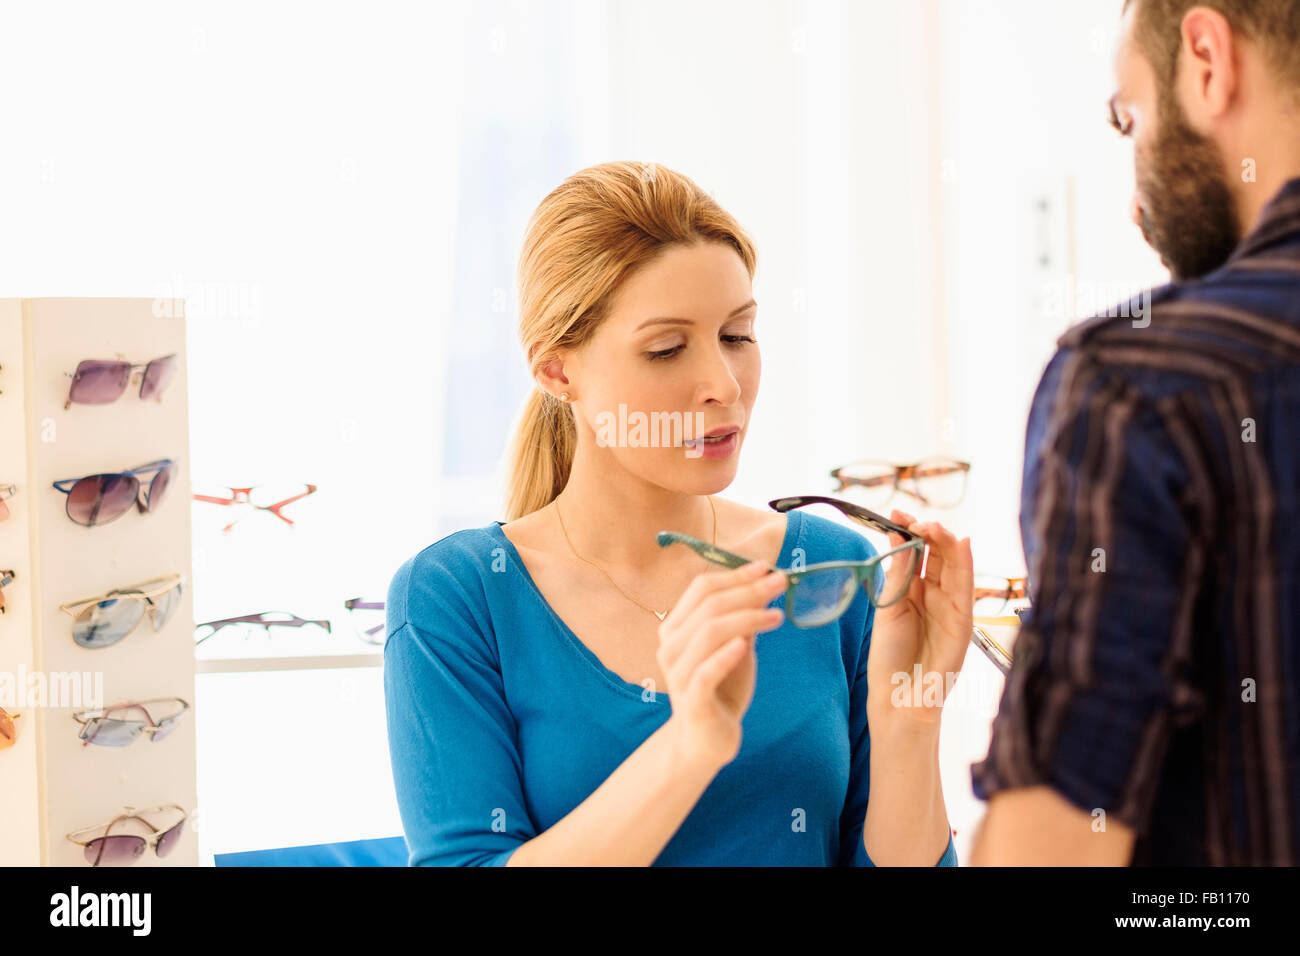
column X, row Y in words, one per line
column 53, row 783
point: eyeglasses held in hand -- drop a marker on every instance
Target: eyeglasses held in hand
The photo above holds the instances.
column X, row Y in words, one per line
column 104, row 620
column 266, row 499
column 122, row 849
column 98, row 727
column 8, row 730
column 6, row 491
column 937, row 482
column 103, row 381
column 367, row 619
column 819, row 593
column 99, row 499
column 249, row 624
column 6, row 578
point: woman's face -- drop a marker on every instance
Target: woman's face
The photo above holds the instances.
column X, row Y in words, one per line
column 678, row 353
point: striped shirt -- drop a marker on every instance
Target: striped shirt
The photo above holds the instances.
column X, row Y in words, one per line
column 1157, row 677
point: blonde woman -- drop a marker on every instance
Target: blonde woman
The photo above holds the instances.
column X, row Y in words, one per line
column 561, row 689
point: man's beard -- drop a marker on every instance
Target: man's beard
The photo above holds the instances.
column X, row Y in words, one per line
column 1188, row 213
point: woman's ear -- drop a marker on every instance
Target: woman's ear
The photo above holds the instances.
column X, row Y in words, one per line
column 550, row 376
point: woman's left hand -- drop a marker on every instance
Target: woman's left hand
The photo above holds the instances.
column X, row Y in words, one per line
column 929, row 626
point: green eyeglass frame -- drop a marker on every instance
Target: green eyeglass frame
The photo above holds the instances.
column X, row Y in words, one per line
column 910, row 550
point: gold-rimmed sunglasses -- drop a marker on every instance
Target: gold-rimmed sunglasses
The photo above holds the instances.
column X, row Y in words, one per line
column 106, row 619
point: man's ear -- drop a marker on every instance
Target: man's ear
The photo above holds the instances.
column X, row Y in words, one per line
column 1208, row 67
column 550, row 376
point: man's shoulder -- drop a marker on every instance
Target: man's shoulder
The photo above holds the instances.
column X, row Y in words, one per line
column 1233, row 324
column 1236, row 313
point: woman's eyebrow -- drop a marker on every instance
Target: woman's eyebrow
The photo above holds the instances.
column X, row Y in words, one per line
column 670, row 320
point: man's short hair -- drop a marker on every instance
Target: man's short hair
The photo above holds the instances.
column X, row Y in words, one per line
column 1272, row 25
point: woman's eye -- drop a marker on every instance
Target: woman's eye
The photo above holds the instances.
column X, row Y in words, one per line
column 669, row 353
column 665, row 353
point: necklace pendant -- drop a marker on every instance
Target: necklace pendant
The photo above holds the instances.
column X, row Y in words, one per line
column 660, row 614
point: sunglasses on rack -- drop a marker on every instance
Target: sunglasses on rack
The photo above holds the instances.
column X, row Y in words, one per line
column 250, row 625
column 261, row 498
column 6, row 578
column 101, row 727
column 8, row 730
column 367, row 619
column 122, row 849
column 106, row 619
column 936, row 482
column 103, row 381
column 99, row 499
column 6, row 491
column 820, row 593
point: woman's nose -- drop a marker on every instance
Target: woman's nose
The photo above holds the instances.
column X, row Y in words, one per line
column 720, row 383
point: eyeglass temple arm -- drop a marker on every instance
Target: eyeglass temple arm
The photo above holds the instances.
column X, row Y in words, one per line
column 848, row 508
column 275, row 508
column 709, row 552
column 151, row 466
column 214, row 500
column 142, row 590
column 295, row 621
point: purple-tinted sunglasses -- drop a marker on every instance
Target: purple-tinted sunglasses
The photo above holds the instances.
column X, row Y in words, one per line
column 101, row 381
column 114, row 849
column 98, row 499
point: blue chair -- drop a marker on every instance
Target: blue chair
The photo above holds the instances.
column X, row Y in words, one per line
column 387, row 851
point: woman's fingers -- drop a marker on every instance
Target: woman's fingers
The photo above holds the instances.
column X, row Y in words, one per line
column 747, row 594
column 704, row 584
column 745, row 588
column 705, row 640
column 715, row 668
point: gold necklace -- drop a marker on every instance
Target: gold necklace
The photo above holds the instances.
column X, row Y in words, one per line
column 659, row 614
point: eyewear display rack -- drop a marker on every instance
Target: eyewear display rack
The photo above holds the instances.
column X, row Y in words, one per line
column 53, row 783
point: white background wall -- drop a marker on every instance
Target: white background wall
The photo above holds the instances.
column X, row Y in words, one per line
column 339, row 191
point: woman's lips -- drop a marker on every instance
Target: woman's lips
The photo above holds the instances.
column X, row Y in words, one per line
column 700, row 448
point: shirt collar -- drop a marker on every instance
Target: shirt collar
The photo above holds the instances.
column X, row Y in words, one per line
column 1278, row 221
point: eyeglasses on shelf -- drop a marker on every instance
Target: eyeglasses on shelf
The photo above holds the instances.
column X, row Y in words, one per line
column 938, row 482
column 272, row 498
column 993, row 593
column 367, row 619
column 250, row 625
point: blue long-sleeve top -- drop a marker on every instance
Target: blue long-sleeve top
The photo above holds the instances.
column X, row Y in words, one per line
column 501, row 721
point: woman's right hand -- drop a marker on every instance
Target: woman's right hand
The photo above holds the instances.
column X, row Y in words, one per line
column 706, row 653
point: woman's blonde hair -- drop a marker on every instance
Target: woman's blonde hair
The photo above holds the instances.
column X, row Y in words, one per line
column 585, row 239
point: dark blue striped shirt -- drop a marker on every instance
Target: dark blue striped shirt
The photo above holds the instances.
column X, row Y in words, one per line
column 1157, row 676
